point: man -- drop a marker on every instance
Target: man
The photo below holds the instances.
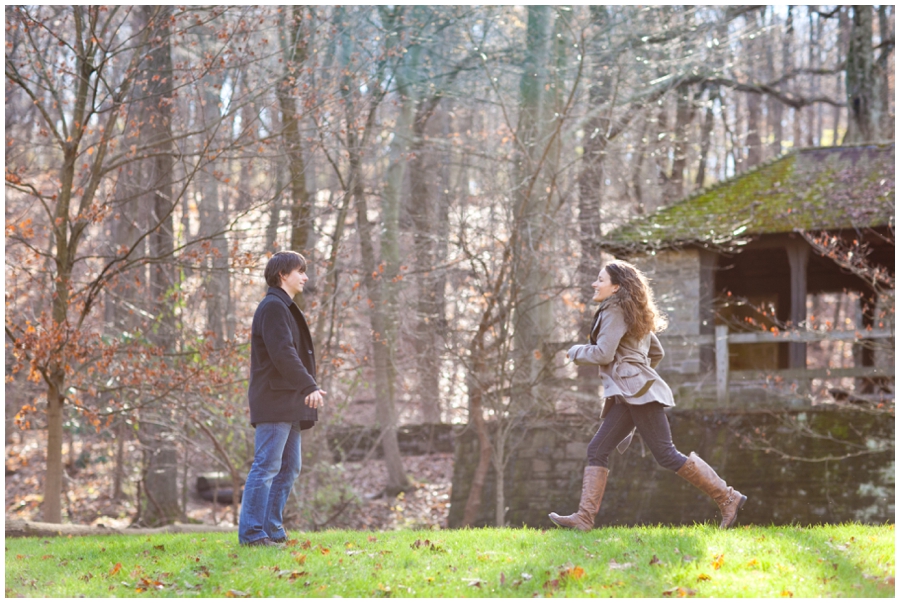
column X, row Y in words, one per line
column 283, row 396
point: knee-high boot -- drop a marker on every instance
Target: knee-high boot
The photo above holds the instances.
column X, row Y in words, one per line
column 592, row 487
column 697, row 472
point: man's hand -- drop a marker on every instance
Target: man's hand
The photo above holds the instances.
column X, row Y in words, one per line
column 315, row 399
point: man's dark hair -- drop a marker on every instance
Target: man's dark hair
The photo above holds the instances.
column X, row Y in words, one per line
column 281, row 264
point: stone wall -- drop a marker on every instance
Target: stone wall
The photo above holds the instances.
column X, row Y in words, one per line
column 544, row 473
column 353, row 442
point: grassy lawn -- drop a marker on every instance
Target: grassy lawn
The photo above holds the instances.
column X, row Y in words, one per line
column 701, row 561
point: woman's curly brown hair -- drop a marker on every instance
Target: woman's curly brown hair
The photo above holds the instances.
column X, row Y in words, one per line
column 635, row 297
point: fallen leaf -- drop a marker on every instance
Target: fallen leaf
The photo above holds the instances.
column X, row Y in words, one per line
column 655, row 561
column 550, row 585
column 617, row 566
column 718, row 561
column 787, row 593
column 502, row 579
column 752, row 563
column 306, row 545
column 300, row 558
column 475, row 582
column 679, row 591
column 703, row 578
column 576, row 573
column 238, row 594
column 115, row 570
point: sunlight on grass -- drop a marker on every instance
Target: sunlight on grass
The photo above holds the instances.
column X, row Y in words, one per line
column 831, row 561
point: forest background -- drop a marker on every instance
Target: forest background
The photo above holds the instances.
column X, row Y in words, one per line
column 448, row 171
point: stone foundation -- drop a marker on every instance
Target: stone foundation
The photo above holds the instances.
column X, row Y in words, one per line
column 544, row 472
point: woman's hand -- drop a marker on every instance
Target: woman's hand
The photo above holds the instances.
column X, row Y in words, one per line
column 573, row 351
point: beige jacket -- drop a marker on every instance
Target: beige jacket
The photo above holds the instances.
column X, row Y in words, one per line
column 626, row 364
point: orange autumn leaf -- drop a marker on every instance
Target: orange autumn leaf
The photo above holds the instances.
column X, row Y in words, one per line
column 718, row 561
column 115, row 570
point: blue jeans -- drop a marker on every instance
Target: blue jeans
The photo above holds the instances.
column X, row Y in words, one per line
column 276, row 464
column 651, row 423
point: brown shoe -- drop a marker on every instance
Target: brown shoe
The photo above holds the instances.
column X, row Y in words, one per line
column 592, row 488
column 704, row 477
column 264, row 542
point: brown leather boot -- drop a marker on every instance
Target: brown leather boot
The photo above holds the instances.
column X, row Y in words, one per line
column 704, row 477
column 592, row 487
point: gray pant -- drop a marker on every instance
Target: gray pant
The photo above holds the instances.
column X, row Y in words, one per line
column 652, row 424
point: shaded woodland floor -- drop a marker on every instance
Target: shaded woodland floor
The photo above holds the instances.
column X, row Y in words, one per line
column 89, row 483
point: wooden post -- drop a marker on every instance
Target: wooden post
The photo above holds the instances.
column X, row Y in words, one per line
column 722, row 364
column 798, row 257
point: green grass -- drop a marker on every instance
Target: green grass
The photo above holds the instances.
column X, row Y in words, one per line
column 831, row 561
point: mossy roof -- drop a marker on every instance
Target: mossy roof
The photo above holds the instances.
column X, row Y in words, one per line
column 827, row 188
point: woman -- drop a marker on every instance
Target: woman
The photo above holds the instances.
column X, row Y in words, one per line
column 624, row 344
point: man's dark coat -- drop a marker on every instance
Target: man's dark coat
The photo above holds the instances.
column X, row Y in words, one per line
column 282, row 363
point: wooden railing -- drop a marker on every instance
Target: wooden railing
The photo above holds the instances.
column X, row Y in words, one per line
column 722, row 339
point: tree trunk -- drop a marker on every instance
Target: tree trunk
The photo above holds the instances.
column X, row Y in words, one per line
column 774, row 108
column 862, row 122
column 590, row 186
column 376, row 276
column 812, row 63
column 753, row 141
column 212, row 215
column 683, row 116
column 499, row 477
column 156, row 432
column 294, row 53
column 386, row 315
column 53, row 480
column 476, row 419
column 840, row 87
column 19, row 528
column 274, row 218
column 532, row 313
column 883, row 75
column 428, row 211
column 706, row 136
